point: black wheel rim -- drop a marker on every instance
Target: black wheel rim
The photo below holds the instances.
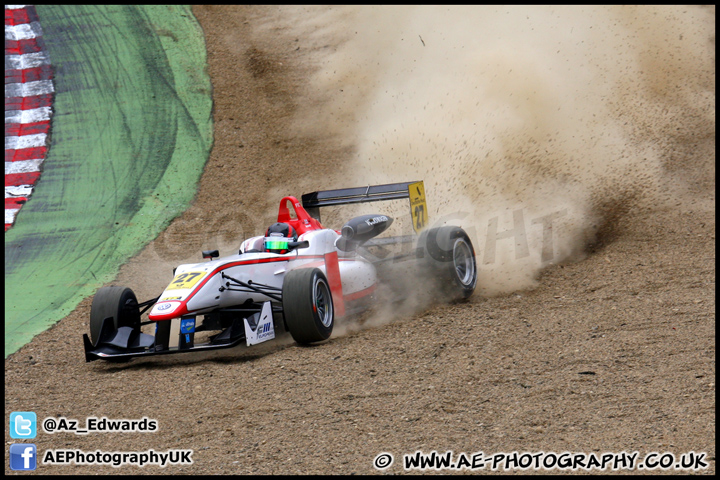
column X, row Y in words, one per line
column 323, row 302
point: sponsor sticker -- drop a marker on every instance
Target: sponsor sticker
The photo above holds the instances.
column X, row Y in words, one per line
column 418, row 208
column 185, row 280
column 376, row 220
column 263, row 330
column 187, row 325
column 164, row 307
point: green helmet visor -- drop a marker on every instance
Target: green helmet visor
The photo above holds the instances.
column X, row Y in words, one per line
column 277, row 243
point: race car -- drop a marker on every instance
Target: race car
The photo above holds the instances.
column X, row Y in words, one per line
column 299, row 277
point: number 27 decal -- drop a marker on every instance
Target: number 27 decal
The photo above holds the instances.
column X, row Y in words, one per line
column 185, row 280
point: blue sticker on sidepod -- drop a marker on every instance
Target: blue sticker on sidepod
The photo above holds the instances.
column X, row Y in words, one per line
column 187, row 325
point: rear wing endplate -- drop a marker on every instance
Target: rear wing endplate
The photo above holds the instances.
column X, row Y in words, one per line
column 415, row 191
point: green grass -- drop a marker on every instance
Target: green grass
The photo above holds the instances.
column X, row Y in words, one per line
column 131, row 132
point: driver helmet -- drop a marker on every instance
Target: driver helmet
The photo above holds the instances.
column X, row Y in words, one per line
column 277, row 237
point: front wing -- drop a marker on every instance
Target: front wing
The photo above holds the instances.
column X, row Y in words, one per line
column 126, row 343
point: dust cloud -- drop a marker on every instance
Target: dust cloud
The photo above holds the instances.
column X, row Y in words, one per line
column 535, row 128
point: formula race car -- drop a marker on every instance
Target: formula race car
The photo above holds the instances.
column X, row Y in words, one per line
column 299, row 277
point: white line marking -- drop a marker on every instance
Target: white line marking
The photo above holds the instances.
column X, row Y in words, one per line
column 25, row 141
column 26, row 60
column 10, row 214
column 24, row 31
column 33, row 115
column 18, row 191
column 23, row 166
column 28, row 89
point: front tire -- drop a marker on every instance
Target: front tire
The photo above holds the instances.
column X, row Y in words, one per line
column 119, row 303
column 307, row 305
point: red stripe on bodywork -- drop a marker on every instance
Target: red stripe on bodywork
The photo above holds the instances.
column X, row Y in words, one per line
column 182, row 310
column 321, row 263
column 332, row 268
column 360, row 294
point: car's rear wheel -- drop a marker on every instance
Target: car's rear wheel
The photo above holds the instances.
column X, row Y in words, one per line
column 119, row 303
column 449, row 257
column 307, row 305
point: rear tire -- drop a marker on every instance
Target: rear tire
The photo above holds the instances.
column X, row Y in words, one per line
column 307, row 305
column 448, row 255
column 119, row 303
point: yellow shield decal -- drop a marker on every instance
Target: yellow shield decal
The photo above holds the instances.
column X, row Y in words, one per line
column 418, row 208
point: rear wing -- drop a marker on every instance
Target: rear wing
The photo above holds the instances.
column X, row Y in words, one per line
column 415, row 191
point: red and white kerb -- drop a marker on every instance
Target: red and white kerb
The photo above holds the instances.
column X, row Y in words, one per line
column 28, row 105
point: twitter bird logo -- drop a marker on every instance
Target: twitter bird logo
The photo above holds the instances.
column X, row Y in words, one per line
column 23, row 425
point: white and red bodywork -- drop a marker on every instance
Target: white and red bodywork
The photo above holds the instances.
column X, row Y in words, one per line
column 197, row 288
column 247, row 297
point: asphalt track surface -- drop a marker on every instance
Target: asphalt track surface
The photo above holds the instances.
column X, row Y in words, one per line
column 130, row 136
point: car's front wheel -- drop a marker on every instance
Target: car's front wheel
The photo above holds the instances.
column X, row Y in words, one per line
column 307, row 305
column 119, row 303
